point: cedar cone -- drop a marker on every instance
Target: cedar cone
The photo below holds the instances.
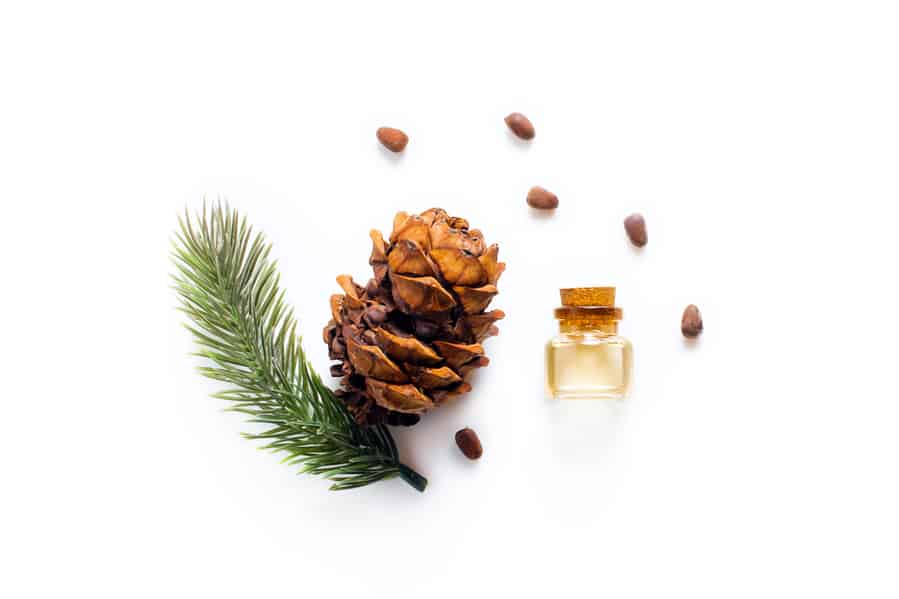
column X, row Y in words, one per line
column 407, row 340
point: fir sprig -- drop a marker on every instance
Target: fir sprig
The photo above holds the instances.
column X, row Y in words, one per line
column 230, row 291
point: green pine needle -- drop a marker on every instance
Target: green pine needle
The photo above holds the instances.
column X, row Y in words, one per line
column 229, row 290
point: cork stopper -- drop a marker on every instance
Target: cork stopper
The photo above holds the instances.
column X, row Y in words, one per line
column 586, row 304
column 588, row 296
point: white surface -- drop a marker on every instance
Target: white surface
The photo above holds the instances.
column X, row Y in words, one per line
column 758, row 138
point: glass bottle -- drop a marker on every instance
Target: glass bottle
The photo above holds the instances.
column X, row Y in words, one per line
column 588, row 359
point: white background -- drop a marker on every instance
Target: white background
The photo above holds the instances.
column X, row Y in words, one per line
column 760, row 139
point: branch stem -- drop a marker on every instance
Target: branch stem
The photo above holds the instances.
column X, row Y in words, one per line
column 412, row 477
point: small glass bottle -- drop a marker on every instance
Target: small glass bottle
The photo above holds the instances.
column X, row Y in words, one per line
column 588, row 359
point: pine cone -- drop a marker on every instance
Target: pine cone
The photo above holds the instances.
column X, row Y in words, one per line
column 407, row 340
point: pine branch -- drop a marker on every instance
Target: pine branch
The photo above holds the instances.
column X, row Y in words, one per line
column 230, row 291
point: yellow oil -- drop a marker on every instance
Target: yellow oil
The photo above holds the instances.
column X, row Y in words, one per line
column 588, row 365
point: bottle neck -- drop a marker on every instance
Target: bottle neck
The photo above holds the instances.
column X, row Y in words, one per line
column 609, row 327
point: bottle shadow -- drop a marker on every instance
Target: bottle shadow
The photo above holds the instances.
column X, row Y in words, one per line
column 585, row 430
